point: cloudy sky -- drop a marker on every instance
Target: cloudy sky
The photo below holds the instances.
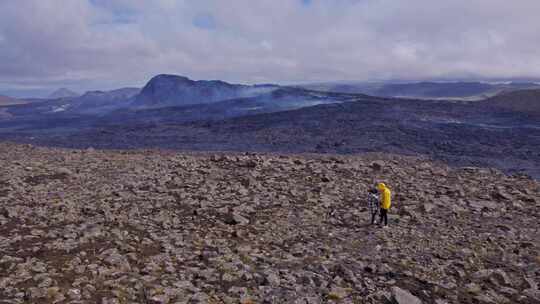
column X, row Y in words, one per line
column 105, row 44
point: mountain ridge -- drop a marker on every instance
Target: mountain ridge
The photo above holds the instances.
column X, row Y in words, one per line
column 168, row 90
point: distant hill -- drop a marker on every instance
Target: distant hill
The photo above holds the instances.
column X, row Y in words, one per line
column 426, row 90
column 282, row 99
column 177, row 98
column 173, row 90
column 435, row 90
column 8, row 101
column 95, row 102
column 63, row 93
column 90, row 103
column 523, row 101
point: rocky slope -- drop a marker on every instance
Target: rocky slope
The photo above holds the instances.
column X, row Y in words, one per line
column 87, row 226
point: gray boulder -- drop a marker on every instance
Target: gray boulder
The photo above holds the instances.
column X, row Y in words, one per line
column 402, row 296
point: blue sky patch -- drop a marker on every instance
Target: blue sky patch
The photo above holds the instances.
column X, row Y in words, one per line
column 204, row 21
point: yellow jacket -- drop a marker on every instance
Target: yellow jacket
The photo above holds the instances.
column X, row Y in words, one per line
column 386, row 196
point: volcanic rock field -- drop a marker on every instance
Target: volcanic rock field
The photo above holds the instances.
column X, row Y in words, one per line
column 154, row 226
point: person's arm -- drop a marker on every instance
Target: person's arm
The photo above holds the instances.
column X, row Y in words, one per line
column 387, row 199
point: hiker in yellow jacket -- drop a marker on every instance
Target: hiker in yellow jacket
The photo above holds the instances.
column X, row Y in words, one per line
column 386, row 202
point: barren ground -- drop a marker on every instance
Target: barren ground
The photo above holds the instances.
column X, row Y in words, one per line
column 89, row 226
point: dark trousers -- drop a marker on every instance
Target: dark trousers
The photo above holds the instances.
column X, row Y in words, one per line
column 373, row 215
column 384, row 215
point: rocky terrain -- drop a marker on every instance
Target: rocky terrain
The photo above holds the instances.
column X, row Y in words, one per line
column 91, row 226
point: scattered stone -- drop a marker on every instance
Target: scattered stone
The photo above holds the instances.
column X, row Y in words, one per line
column 377, row 165
column 239, row 219
column 473, row 288
column 74, row 294
column 235, row 219
column 338, row 293
column 428, row 207
column 401, row 296
column 491, row 297
column 64, row 171
column 273, row 279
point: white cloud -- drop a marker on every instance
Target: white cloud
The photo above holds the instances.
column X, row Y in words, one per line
column 108, row 43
